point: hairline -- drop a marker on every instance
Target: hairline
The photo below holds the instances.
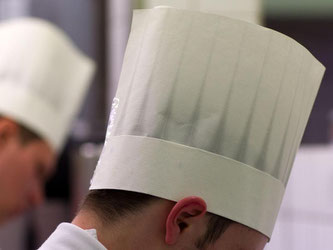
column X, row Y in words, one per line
column 215, row 227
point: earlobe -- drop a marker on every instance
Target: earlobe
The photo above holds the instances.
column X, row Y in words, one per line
column 185, row 210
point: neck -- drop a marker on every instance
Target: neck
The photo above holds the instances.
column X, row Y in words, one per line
column 143, row 229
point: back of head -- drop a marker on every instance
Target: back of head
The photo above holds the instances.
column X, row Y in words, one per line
column 113, row 206
column 43, row 77
column 211, row 107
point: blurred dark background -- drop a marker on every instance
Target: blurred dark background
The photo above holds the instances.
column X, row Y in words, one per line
column 316, row 34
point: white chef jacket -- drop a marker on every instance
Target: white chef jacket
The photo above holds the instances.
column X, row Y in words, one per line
column 71, row 237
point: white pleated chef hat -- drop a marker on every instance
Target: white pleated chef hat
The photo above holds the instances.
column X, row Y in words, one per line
column 212, row 107
column 43, row 77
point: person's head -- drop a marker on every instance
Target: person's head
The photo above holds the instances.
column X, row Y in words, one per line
column 148, row 222
column 26, row 161
column 210, row 107
column 43, row 80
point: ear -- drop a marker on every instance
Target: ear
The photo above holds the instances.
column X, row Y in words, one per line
column 181, row 215
column 8, row 129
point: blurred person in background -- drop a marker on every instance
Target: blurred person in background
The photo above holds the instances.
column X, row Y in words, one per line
column 43, row 80
column 202, row 136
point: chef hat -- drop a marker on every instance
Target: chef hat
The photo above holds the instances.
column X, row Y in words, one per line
column 43, row 77
column 212, row 107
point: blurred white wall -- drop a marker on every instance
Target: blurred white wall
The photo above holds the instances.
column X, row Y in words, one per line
column 305, row 220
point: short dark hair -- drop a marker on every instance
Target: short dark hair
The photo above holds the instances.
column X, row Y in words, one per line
column 111, row 205
column 26, row 135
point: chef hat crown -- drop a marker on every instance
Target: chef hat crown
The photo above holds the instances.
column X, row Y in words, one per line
column 212, row 107
column 43, row 77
